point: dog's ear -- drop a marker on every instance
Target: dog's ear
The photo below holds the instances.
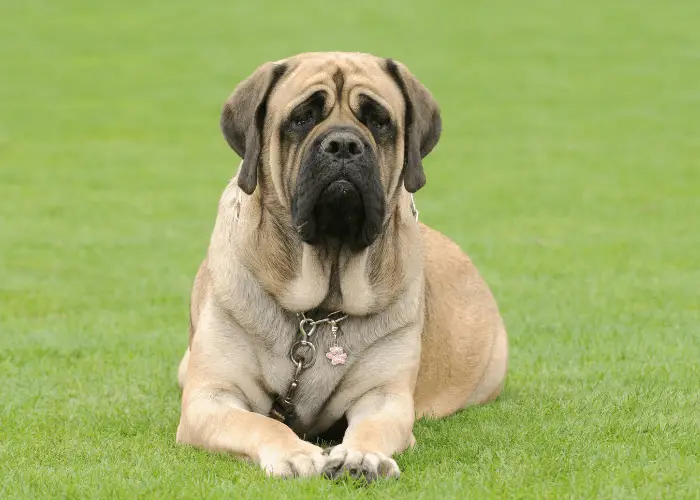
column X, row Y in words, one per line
column 243, row 119
column 422, row 124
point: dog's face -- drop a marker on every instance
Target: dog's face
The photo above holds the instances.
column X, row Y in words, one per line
column 334, row 136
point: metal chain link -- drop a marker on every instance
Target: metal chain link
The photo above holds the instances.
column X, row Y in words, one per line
column 303, row 355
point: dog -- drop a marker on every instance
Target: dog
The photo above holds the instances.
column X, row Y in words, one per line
column 322, row 301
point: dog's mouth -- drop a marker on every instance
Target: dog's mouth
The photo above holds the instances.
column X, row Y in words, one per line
column 339, row 211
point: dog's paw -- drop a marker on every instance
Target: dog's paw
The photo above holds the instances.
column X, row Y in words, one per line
column 301, row 460
column 357, row 464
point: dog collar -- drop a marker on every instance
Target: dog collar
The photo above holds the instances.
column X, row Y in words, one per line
column 414, row 209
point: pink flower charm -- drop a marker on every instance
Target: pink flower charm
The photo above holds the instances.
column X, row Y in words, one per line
column 336, row 355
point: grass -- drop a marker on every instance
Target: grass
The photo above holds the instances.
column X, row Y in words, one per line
column 569, row 170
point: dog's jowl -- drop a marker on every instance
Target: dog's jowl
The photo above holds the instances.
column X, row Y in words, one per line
column 322, row 299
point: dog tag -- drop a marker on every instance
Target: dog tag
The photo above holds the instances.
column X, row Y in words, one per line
column 336, row 355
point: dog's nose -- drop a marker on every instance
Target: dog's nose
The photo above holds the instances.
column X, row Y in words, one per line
column 343, row 145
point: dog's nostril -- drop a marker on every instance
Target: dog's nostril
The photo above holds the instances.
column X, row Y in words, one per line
column 333, row 147
column 354, row 148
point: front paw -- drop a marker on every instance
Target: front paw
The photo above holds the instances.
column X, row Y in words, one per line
column 299, row 460
column 358, row 464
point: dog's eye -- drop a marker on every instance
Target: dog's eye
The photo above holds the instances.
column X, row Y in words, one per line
column 306, row 115
column 375, row 117
column 303, row 118
column 378, row 121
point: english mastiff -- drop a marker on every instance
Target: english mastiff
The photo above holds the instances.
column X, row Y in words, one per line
column 322, row 302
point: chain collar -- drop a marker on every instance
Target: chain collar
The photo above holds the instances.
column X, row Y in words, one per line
column 414, row 209
column 303, row 355
column 334, row 317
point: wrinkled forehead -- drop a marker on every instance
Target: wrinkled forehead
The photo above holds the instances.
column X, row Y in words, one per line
column 339, row 74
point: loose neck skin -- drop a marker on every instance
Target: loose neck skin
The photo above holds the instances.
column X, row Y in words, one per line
column 301, row 277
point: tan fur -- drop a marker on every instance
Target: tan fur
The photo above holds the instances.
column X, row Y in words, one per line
column 424, row 334
column 464, row 347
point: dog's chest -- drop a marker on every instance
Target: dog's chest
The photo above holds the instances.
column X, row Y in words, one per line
column 329, row 360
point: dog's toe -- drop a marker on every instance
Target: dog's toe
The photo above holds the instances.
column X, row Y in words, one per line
column 343, row 461
column 306, row 461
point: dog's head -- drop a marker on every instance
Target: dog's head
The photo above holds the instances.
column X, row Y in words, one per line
column 333, row 136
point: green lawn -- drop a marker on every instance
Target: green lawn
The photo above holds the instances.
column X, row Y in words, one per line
column 569, row 169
